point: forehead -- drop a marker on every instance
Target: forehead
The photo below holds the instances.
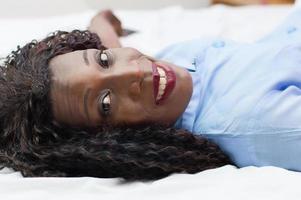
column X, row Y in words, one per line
column 66, row 64
column 68, row 80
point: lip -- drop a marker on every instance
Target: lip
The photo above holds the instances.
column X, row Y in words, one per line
column 171, row 82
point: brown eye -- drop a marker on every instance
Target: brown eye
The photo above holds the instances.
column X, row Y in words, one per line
column 105, row 104
column 103, row 59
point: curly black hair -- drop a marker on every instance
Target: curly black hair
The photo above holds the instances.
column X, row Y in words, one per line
column 32, row 142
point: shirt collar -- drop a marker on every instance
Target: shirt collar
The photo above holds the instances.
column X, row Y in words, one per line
column 186, row 120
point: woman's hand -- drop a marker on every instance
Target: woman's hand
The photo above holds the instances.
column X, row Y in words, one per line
column 108, row 27
column 106, row 19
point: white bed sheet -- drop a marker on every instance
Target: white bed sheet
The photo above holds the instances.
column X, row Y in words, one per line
column 227, row 183
column 157, row 29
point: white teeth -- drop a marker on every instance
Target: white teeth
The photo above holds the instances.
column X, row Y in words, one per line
column 161, row 72
column 161, row 92
column 162, row 82
column 160, row 69
column 162, row 87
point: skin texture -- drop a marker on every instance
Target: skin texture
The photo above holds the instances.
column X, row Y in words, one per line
column 129, row 79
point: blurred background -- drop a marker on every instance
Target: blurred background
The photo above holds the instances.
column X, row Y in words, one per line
column 152, row 20
column 17, row 8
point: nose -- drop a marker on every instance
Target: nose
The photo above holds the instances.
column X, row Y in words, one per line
column 135, row 90
column 127, row 80
column 135, row 86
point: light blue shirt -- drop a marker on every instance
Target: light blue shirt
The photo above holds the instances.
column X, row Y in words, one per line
column 246, row 97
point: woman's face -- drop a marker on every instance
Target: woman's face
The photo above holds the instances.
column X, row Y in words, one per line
column 117, row 87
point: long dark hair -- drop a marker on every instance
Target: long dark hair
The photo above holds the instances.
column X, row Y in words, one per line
column 32, row 142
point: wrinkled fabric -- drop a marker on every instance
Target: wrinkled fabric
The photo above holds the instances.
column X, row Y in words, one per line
column 246, row 97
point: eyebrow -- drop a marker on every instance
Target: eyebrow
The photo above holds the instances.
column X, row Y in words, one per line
column 86, row 95
column 85, row 56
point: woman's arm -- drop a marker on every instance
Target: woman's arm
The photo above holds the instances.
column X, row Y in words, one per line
column 108, row 27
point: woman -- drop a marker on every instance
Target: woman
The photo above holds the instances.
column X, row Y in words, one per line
column 243, row 97
column 71, row 107
column 49, row 129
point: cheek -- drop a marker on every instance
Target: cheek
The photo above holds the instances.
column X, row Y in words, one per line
column 132, row 112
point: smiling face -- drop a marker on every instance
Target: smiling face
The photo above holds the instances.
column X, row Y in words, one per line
column 117, row 86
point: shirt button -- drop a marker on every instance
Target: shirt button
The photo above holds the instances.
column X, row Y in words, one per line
column 218, row 44
column 291, row 29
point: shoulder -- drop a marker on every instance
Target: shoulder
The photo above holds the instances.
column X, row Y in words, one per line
column 288, row 30
column 185, row 47
column 184, row 53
